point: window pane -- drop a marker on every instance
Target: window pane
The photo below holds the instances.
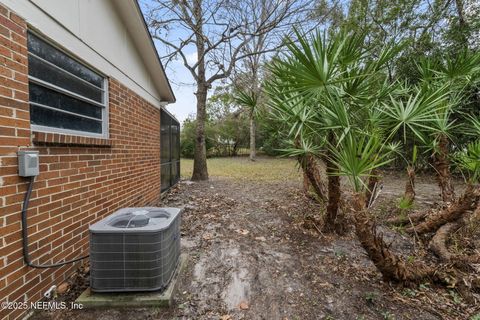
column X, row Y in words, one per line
column 175, row 142
column 60, row 101
column 170, row 150
column 165, row 154
column 58, row 58
column 175, row 172
column 165, row 176
column 57, row 119
column 48, row 73
column 178, row 170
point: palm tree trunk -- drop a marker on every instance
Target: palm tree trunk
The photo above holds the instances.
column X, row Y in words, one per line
column 306, row 183
column 334, row 195
column 392, row 267
column 409, row 195
column 442, row 167
column 253, row 128
column 313, row 176
column 467, row 202
column 372, row 186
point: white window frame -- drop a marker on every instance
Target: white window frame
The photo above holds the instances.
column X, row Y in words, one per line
column 105, row 97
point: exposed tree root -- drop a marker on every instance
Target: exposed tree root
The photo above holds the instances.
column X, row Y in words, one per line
column 395, row 268
column 404, row 219
column 438, row 242
column 392, row 267
column 467, row 202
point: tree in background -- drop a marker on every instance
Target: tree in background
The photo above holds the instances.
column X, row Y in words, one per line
column 250, row 100
column 226, row 128
column 218, row 31
column 445, row 33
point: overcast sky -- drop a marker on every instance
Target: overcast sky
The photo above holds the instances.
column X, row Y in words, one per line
column 180, row 79
column 183, row 87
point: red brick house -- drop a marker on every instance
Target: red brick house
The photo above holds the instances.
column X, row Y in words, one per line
column 80, row 82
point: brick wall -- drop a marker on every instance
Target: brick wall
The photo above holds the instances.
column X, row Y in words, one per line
column 81, row 179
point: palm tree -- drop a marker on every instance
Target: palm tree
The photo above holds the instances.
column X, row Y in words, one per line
column 249, row 100
column 322, row 89
column 468, row 161
column 298, row 122
column 454, row 75
column 334, row 102
column 409, row 114
column 358, row 156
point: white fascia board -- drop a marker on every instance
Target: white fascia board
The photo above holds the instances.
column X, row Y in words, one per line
column 133, row 18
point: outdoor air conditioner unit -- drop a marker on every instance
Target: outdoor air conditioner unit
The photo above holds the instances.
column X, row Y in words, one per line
column 134, row 249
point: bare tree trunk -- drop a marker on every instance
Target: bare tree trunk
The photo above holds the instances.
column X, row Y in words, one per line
column 467, row 202
column 334, row 195
column 442, row 168
column 392, row 267
column 200, row 171
column 409, row 195
column 463, row 26
column 235, row 149
column 253, row 129
column 461, row 16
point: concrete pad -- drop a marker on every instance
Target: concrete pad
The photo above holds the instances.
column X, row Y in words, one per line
column 163, row 299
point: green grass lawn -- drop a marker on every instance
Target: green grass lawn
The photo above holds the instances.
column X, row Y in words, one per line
column 241, row 168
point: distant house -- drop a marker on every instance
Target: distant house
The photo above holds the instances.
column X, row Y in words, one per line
column 81, row 82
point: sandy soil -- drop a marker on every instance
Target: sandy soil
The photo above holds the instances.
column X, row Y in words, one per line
column 252, row 255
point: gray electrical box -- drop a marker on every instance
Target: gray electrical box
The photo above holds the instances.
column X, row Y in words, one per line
column 28, row 163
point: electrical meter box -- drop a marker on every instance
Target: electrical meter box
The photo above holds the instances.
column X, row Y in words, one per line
column 28, row 163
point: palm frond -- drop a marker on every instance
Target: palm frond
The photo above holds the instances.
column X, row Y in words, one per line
column 248, row 99
column 468, row 161
column 358, row 155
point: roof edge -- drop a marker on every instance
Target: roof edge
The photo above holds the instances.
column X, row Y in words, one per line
column 134, row 20
column 139, row 11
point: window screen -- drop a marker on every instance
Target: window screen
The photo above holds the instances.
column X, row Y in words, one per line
column 65, row 95
column 169, row 150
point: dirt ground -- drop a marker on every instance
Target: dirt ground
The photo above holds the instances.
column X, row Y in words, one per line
column 253, row 256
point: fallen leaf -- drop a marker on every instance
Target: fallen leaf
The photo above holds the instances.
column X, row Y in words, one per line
column 226, row 317
column 207, row 236
column 242, row 231
column 260, row 238
column 62, row 288
column 243, row 305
